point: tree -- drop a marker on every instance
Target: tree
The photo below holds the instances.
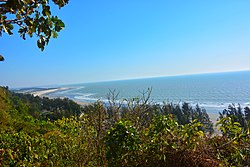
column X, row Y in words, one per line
column 237, row 114
column 32, row 17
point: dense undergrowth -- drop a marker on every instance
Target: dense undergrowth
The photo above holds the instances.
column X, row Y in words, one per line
column 38, row 131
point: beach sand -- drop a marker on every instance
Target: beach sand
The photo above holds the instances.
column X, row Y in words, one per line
column 44, row 93
column 213, row 117
column 82, row 103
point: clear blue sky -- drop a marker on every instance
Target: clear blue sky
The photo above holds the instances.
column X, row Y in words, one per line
column 110, row 40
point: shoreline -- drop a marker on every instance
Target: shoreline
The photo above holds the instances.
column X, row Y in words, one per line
column 44, row 93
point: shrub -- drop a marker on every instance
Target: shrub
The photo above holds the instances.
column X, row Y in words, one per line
column 122, row 143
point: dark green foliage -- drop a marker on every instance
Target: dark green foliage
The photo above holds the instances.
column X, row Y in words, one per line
column 24, row 112
column 122, row 142
column 184, row 114
column 1, row 58
column 237, row 114
column 140, row 134
column 45, row 108
column 33, row 17
column 141, row 111
column 54, row 148
column 170, row 144
column 234, row 146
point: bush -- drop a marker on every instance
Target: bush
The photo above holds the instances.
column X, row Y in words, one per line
column 122, row 142
column 136, row 134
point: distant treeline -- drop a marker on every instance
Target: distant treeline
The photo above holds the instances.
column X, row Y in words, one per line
column 56, row 108
column 45, row 108
column 58, row 132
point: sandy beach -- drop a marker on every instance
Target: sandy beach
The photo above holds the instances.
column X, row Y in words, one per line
column 82, row 103
column 44, row 93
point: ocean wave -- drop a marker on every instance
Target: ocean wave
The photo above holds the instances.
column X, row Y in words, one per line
column 247, row 103
column 86, row 97
column 211, row 107
column 71, row 89
column 83, row 95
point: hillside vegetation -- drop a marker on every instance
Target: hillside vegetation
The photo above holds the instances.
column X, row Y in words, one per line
column 38, row 131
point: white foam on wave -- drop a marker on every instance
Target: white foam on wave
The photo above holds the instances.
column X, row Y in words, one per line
column 213, row 105
column 209, row 105
column 70, row 89
column 86, row 97
column 82, row 96
column 246, row 104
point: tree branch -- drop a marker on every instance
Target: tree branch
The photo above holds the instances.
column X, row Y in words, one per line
column 14, row 21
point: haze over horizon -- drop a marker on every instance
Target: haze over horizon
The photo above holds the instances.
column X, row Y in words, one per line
column 112, row 40
column 127, row 79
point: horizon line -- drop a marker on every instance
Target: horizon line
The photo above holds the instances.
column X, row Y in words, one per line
column 127, row 79
column 159, row 76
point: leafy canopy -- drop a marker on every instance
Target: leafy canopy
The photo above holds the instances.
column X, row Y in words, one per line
column 32, row 17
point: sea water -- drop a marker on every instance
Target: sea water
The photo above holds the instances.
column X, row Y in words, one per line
column 214, row 92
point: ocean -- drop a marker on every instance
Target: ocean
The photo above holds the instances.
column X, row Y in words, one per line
column 214, row 92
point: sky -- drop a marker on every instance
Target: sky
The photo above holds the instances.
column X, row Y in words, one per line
column 113, row 40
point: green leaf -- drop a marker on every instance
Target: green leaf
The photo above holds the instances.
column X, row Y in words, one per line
column 18, row 16
column 1, row 58
column 41, row 43
column 61, row 3
column 237, row 123
column 54, row 34
column 46, row 11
